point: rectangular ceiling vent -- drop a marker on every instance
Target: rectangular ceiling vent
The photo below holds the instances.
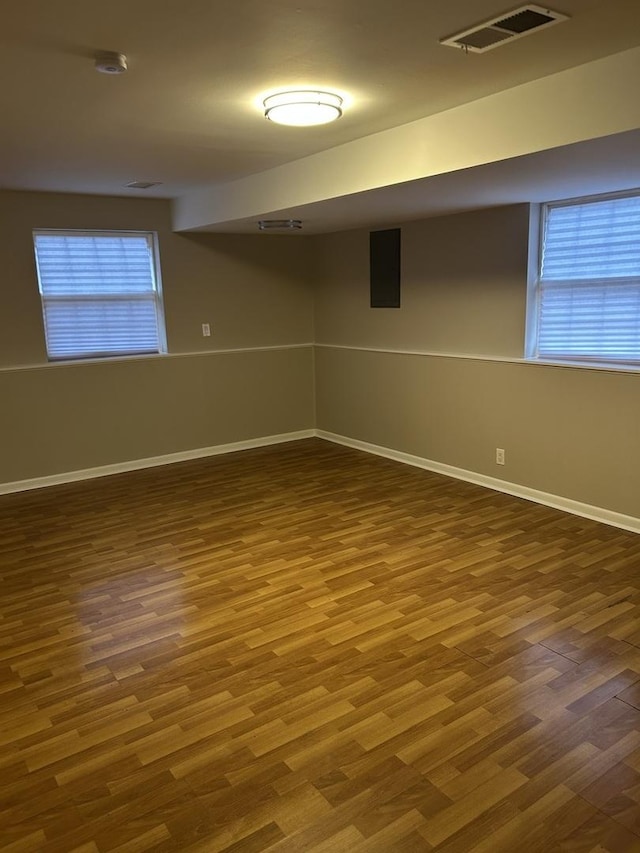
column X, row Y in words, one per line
column 505, row 28
column 142, row 185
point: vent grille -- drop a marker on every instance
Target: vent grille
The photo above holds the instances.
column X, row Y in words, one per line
column 280, row 224
column 142, row 185
column 505, row 28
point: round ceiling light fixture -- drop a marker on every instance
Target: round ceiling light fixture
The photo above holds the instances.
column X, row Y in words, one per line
column 303, row 108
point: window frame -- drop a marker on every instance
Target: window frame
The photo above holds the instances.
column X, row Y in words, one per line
column 151, row 238
column 537, row 226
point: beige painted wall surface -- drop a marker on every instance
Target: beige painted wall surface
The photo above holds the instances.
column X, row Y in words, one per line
column 570, row 432
column 463, row 286
column 66, row 418
column 254, row 292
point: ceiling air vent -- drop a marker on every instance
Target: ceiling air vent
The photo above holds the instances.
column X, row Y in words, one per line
column 280, row 224
column 505, row 28
column 142, row 185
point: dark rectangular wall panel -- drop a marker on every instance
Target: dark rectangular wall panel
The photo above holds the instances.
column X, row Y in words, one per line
column 384, row 268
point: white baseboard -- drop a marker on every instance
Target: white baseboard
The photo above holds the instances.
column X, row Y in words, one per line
column 151, row 462
column 605, row 516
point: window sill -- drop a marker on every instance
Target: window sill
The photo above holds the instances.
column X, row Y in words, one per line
column 101, row 359
column 607, row 366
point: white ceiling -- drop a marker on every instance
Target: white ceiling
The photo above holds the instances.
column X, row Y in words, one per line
column 187, row 112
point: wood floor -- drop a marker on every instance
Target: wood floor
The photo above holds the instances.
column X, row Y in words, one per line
column 306, row 648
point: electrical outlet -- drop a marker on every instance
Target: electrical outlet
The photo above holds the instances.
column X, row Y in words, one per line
column 499, row 456
column 206, row 330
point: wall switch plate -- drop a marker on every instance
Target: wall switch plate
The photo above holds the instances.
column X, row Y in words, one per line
column 206, row 330
column 499, row 455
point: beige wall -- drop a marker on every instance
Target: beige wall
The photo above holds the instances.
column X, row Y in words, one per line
column 567, row 431
column 446, row 395
column 463, row 286
column 60, row 419
column 253, row 290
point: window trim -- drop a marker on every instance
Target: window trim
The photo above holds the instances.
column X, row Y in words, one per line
column 537, row 225
column 151, row 238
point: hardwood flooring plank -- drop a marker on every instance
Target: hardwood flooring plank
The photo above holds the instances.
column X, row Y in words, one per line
column 307, row 648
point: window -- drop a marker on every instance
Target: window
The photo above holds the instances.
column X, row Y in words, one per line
column 100, row 293
column 586, row 296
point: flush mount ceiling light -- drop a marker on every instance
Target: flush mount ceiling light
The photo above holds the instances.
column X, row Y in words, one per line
column 304, row 108
column 280, row 224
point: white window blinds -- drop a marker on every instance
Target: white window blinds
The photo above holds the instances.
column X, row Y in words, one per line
column 588, row 299
column 99, row 293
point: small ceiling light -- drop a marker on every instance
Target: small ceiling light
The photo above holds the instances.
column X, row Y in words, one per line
column 280, row 224
column 303, row 109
